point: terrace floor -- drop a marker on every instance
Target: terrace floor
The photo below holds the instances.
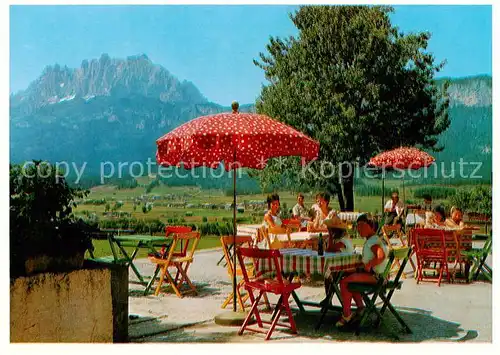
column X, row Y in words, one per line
column 450, row 313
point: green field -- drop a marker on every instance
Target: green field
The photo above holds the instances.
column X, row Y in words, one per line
column 102, row 248
column 196, row 195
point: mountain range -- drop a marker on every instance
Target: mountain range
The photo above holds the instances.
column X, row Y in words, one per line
column 112, row 109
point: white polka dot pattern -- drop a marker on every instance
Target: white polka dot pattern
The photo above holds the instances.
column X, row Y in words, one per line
column 253, row 138
column 402, row 158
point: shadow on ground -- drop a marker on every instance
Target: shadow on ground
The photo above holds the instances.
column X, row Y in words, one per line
column 424, row 326
column 203, row 289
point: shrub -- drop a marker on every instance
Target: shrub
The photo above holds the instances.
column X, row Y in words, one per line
column 436, row 192
column 41, row 216
column 477, row 199
column 204, row 219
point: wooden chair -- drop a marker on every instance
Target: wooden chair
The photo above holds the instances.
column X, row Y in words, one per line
column 180, row 263
column 383, row 290
column 261, row 286
column 275, row 243
column 393, row 233
column 478, row 259
column 431, row 250
column 230, row 241
column 292, row 224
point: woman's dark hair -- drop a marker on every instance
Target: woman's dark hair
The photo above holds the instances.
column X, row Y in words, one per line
column 427, row 197
column 368, row 220
column 336, row 233
column 440, row 210
column 325, row 196
column 271, row 199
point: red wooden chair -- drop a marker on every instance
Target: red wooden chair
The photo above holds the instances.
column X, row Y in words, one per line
column 431, row 250
column 277, row 285
column 292, row 224
column 170, row 230
column 230, row 241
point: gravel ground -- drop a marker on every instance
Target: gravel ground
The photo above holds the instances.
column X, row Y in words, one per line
column 452, row 312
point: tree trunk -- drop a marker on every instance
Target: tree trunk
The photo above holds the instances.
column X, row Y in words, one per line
column 348, row 184
column 340, row 196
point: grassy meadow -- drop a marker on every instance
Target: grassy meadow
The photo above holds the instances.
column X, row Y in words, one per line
column 195, row 195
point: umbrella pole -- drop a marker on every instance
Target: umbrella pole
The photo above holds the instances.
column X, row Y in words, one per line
column 234, row 235
column 383, row 192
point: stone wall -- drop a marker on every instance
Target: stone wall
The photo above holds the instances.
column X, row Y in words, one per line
column 88, row 305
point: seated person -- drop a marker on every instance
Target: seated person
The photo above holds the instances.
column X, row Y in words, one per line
column 456, row 219
column 375, row 258
column 323, row 212
column 427, row 206
column 394, row 209
column 300, row 212
column 436, row 219
column 271, row 218
column 337, row 240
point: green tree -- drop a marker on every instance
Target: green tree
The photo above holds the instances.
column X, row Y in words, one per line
column 41, row 215
column 356, row 84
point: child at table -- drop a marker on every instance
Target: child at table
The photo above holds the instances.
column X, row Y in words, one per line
column 375, row 257
column 337, row 241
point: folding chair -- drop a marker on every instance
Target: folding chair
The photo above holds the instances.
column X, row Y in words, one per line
column 478, row 257
column 181, row 263
column 292, row 224
column 276, row 243
column 227, row 242
column 277, row 286
column 391, row 233
column 383, row 289
column 431, row 249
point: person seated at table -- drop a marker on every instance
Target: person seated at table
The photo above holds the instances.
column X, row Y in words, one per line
column 300, row 212
column 456, row 218
column 337, row 240
column 394, row 209
column 271, row 218
column 323, row 212
column 374, row 257
column 315, row 207
column 436, row 219
column 427, row 205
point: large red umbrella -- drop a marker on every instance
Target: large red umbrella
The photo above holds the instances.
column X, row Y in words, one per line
column 402, row 158
column 236, row 139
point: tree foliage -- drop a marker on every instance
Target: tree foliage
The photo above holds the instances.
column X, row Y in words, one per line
column 356, row 84
column 41, row 215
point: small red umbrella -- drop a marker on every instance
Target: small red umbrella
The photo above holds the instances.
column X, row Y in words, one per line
column 236, row 139
column 402, row 158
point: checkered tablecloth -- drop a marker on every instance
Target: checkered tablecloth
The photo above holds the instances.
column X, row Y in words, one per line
column 349, row 216
column 307, row 262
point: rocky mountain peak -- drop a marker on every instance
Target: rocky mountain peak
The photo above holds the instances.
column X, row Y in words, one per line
column 105, row 76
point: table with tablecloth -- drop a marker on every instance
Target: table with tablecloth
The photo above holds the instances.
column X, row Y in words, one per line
column 308, row 262
column 252, row 230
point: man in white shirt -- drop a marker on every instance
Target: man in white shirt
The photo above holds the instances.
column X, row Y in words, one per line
column 300, row 212
column 394, row 210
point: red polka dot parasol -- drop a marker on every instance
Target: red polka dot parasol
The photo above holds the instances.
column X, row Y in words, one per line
column 402, row 158
column 236, row 139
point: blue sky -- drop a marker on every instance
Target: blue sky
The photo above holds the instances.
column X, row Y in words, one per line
column 213, row 46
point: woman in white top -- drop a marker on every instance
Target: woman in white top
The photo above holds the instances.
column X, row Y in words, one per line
column 375, row 259
column 271, row 218
column 324, row 211
column 456, row 219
